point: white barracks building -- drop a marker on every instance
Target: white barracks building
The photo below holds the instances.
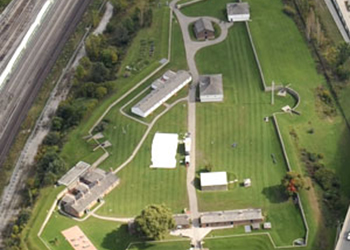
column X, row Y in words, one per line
column 163, row 89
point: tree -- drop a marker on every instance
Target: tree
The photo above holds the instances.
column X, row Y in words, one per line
column 154, row 222
column 293, row 182
column 53, row 138
column 99, row 73
column 109, row 56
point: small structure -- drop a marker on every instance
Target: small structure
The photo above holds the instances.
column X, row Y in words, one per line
column 211, row 88
column 203, row 29
column 164, row 149
column 286, row 109
column 91, row 187
column 182, row 221
column 231, row 218
column 238, row 12
column 213, row 181
column 256, row 226
column 187, row 143
column 187, row 160
column 282, row 92
column 77, row 239
column 267, row 225
column 73, row 174
column 266, row 119
column 247, row 182
column 163, row 89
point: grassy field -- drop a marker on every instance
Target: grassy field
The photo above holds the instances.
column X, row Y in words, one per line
column 285, row 58
column 240, row 120
column 141, row 185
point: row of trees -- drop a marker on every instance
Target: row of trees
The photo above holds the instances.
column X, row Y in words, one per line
column 336, row 57
column 93, row 80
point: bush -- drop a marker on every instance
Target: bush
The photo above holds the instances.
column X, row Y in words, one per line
column 289, row 11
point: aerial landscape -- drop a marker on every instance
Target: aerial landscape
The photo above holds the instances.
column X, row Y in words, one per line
column 174, row 124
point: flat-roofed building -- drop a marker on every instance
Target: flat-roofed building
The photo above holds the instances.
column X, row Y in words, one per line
column 203, row 29
column 238, row 12
column 164, row 89
column 164, row 149
column 231, row 217
column 213, row 181
column 73, row 174
column 92, row 186
column 211, row 88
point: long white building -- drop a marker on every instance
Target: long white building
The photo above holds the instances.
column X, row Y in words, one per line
column 163, row 89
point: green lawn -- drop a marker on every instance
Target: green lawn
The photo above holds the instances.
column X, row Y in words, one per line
column 141, row 185
column 240, row 120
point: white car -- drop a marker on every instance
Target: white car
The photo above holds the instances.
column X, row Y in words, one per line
column 348, row 236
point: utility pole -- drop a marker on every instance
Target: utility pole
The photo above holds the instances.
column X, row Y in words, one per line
column 273, row 93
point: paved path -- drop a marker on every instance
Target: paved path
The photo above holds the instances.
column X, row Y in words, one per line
column 192, row 47
column 121, row 220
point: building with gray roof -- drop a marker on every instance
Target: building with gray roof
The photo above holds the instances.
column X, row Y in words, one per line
column 73, row 174
column 182, row 221
column 231, row 217
column 92, row 186
column 211, row 88
column 162, row 92
column 238, row 12
column 203, row 29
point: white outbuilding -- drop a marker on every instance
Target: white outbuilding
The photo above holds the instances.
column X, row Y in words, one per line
column 238, row 12
column 164, row 149
column 247, row 182
column 213, row 181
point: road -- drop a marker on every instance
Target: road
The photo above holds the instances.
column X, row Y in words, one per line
column 343, row 243
column 192, row 47
column 26, row 80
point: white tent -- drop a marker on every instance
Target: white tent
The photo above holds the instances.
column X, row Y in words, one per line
column 164, row 148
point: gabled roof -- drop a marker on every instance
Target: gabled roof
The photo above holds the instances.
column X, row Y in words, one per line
column 237, row 8
column 210, row 85
column 232, row 216
column 203, row 24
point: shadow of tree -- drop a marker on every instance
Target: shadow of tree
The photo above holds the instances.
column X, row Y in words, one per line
column 275, row 194
column 118, row 239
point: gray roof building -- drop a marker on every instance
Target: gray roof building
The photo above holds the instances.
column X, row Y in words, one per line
column 162, row 92
column 232, row 216
column 211, row 88
column 93, row 185
column 73, row 174
column 203, row 29
column 182, row 220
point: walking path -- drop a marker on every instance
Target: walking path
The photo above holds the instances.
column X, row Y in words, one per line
column 192, row 47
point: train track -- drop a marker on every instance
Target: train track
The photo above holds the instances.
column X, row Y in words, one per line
column 14, row 24
column 25, row 83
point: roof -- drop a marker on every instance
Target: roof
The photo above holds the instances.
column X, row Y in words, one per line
column 210, row 85
column 158, row 95
column 164, row 149
column 237, row 8
column 232, row 216
column 93, row 176
column 74, row 173
column 213, row 179
column 203, row 24
column 95, row 192
column 182, row 219
column 168, row 75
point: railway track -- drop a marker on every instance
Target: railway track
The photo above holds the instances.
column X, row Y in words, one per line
column 24, row 85
column 14, row 25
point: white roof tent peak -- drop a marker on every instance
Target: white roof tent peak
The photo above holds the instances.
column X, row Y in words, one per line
column 164, row 149
column 213, row 179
